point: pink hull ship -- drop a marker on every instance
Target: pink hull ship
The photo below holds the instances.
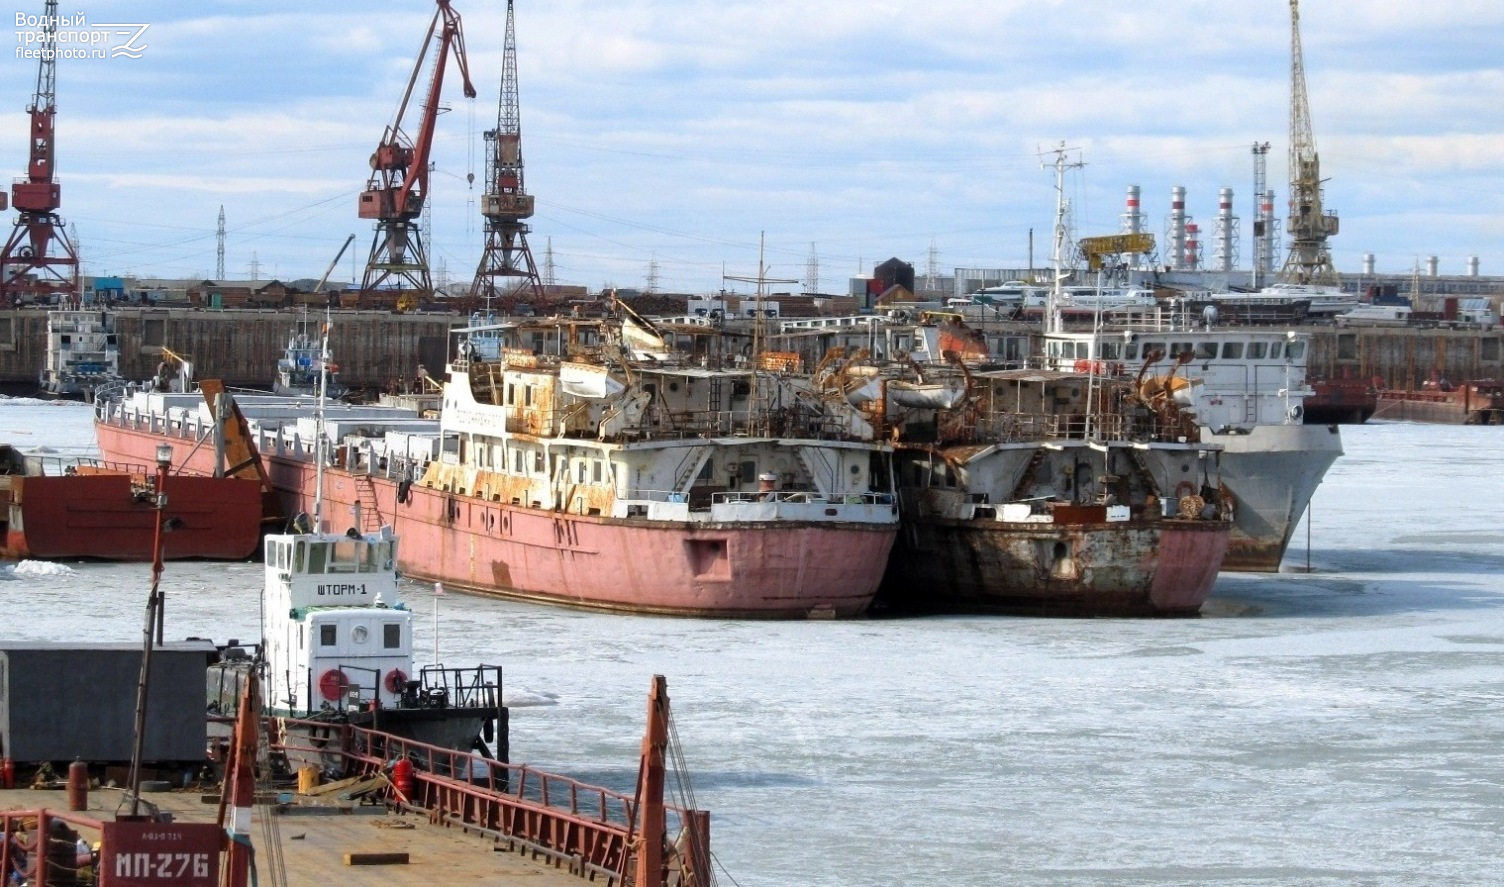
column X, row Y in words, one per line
column 793, row 570
column 531, row 500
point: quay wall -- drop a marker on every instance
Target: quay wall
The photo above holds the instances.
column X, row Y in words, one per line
column 373, row 349
column 378, row 349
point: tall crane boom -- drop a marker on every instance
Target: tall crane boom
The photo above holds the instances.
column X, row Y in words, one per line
column 506, row 203
column 398, row 186
column 1309, row 225
column 39, row 261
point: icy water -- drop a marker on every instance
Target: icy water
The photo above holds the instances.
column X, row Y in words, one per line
column 1340, row 727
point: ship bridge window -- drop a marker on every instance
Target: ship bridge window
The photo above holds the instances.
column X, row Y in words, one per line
column 537, row 461
column 1232, row 350
column 1111, row 350
column 1179, row 348
column 391, row 636
column 1276, row 350
column 596, row 471
column 579, row 472
column 328, row 635
column 1296, row 350
column 516, row 461
column 1258, row 350
column 1206, row 350
column 527, row 395
column 511, row 394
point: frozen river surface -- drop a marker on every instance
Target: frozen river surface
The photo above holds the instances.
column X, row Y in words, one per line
column 1343, row 726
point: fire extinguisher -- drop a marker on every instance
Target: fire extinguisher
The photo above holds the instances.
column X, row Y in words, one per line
column 7, row 773
column 402, row 778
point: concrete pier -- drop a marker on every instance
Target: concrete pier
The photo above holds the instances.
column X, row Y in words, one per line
column 241, row 347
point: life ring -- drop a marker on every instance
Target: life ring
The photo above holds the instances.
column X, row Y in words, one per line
column 1297, row 412
column 396, row 681
column 1184, row 488
column 332, row 684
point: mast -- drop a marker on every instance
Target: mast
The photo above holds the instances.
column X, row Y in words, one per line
column 319, row 444
column 1052, row 322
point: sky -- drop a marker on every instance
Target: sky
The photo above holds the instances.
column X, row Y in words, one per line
column 673, row 143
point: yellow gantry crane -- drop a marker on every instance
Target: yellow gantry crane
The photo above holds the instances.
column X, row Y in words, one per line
column 1308, row 224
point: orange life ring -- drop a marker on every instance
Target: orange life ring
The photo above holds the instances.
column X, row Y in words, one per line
column 396, row 681
column 332, row 684
column 1089, row 366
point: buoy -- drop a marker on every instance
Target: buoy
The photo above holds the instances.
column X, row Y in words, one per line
column 396, row 681
column 332, row 684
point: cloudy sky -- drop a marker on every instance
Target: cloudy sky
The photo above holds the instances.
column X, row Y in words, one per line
column 671, row 135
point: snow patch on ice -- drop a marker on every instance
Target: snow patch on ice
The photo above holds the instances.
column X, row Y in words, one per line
column 33, row 569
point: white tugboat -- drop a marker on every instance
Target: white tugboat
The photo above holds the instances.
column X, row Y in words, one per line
column 83, row 354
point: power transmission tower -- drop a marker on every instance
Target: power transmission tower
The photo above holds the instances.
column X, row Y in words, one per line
column 812, row 271
column 219, row 261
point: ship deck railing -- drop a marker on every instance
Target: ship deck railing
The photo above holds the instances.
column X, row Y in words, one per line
column 1001, row 426
column 751, row 506
column 584, row 826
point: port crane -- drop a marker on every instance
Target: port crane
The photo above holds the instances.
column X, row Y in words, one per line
column 39, row 262
column 1309, row 224
column 398, row 185
column 506, row 265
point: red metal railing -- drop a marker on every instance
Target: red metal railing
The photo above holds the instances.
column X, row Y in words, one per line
column 41, row 846
column 584, row 827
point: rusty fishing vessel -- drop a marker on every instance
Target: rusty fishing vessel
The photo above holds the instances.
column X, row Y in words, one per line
column 587, row 465
column 1042, row 493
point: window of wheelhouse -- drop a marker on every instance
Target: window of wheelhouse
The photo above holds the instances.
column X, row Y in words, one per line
column 1295, row 350
column 391, row 636
column 1258, row 350
column 328, row 635
column 1232, row 350
column 1206, row 350
column 1276, row 350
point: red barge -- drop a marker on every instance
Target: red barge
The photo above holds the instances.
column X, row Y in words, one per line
column 1476, row 402
column 109, row 512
